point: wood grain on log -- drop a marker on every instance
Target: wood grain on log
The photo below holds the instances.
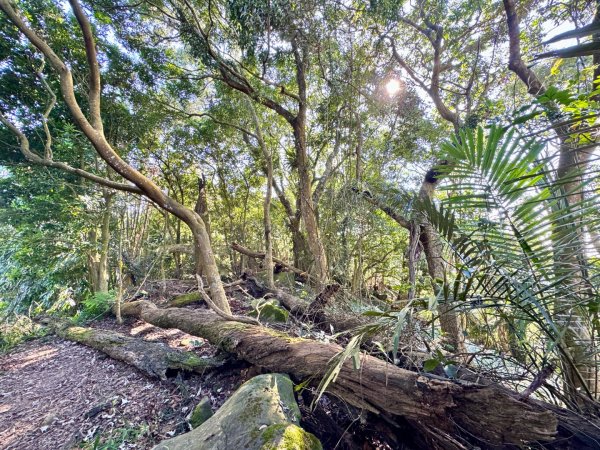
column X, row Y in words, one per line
column 484, row 412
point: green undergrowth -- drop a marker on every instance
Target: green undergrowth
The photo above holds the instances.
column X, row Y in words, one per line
column 116, row 439
column 18, row 329
column 94, row 307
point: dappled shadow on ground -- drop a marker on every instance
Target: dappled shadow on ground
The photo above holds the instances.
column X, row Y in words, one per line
column 56, row 394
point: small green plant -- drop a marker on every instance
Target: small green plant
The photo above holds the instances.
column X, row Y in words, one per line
column 18, row 330
column 96, row 306
column 115, row 439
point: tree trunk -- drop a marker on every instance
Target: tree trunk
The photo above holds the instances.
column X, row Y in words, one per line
column 206, row 260
column 267, row 226
column 433, row 247
column 152, row 358
column 575, row 292
column 268, row 259
column 98, row 259
column 300, row 248
column 307, row 208
column 488, row 413
column 103, row 274
column 201, row 208
column 177, row 255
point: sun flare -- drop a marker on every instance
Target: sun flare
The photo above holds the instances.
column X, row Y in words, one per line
column 393, row 86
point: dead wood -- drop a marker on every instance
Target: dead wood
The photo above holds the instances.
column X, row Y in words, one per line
column 485, row 412
column 305, row 310
column 195, row 297
column 185, row 299
column 152, row 358
column 279, row 262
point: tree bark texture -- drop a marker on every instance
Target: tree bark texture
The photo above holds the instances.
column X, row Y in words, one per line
column 486, row 412
column 153, row 358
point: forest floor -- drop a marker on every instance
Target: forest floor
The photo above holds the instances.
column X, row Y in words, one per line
column 56, row 394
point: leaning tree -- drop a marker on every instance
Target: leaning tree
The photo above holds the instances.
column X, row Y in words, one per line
column 90, row 121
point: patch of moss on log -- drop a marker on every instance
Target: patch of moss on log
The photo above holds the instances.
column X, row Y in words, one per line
column 202, row 412
column 185, row 299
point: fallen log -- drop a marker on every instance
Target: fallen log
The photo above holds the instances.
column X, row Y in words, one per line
column 486, row 413
column 195, row 297
column 314, row 310
column 178, row 248
column 152, row 358
column 258, row 255
column 185, row 299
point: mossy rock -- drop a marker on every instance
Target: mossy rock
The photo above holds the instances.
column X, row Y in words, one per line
column 185, row 299
column 202, row 412
column 270, row 311
column 262, row 414
column 289, row 437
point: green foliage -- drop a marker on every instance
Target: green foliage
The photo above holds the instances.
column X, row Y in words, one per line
column 18, row 329
column 117, row 438
column 95, row 306
column 42, row 258
column 508, row 224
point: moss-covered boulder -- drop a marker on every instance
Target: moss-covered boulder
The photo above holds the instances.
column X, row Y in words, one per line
column 287, row 437
column 260, row 415
column 269, row 311
column 202, row 412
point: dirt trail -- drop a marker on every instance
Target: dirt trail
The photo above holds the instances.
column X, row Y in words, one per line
column 56, row 394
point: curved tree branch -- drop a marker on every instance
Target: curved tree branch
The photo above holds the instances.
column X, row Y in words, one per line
column 515, row 60
column 48, row 162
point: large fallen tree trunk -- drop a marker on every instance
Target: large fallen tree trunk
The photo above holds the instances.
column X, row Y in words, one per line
column 152, row 358
column 486, row 413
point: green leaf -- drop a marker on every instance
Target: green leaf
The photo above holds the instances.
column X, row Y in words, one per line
column 430, row 365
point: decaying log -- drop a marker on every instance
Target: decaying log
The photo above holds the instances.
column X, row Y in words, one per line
column 185, row 299
column 485, row 412
column 152, row 358
column 178, row 248
column 258, row 255
column 195, row 296
column 303, row 309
